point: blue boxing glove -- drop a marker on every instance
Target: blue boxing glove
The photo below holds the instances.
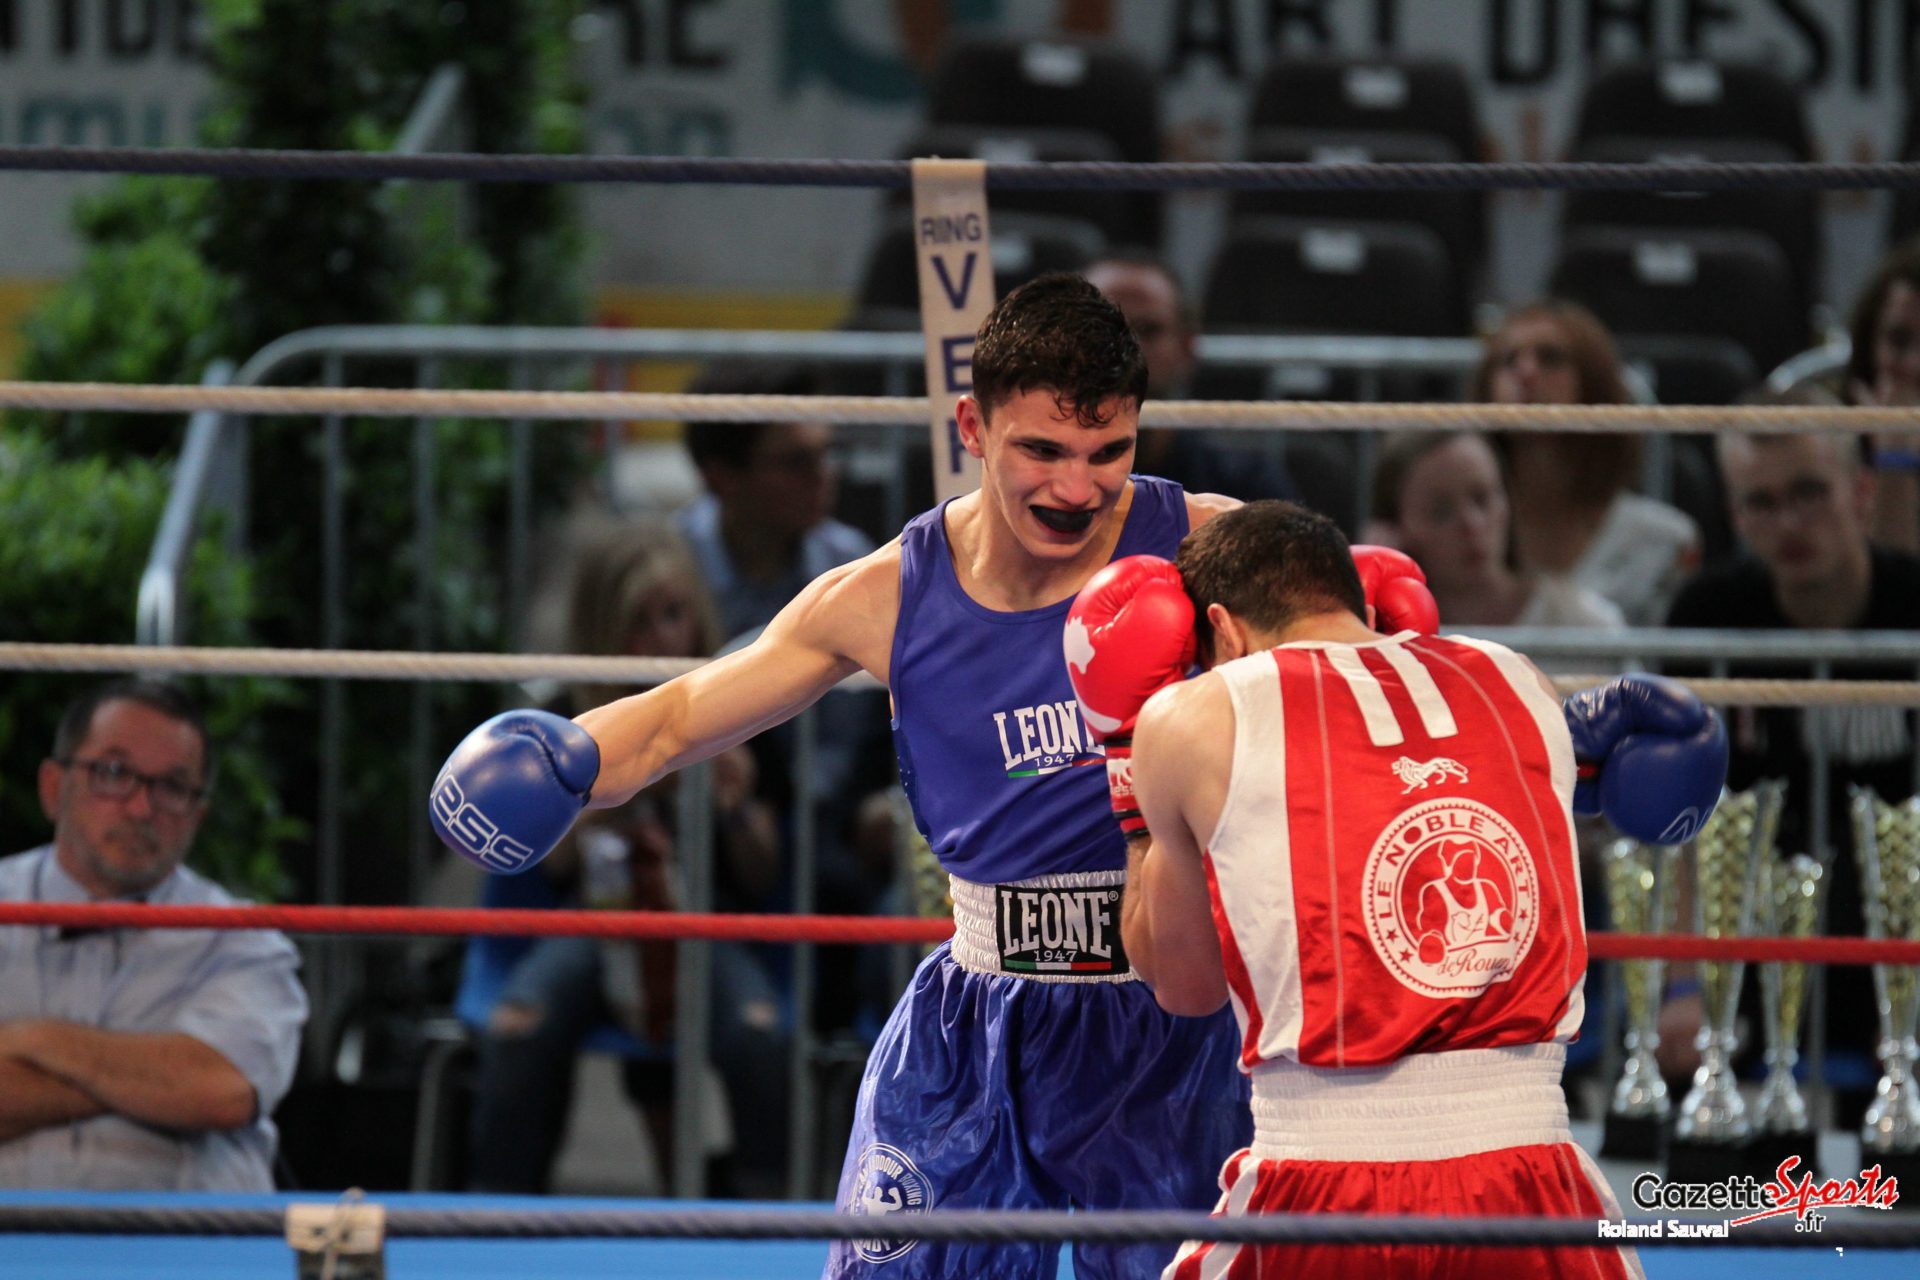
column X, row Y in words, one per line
column 1651, row 756
column 512, row 788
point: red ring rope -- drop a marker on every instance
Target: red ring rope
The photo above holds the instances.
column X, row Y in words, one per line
column 441, row 921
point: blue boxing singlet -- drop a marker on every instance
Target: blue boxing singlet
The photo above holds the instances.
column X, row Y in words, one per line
column 1005, row 781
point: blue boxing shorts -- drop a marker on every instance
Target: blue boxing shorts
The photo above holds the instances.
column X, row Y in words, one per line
column 1001, row 1090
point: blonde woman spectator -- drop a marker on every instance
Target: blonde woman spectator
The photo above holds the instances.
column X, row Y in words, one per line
column 633, row 590
column 1575, row 516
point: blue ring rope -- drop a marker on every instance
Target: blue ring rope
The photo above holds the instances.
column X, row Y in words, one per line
column 990, row 1226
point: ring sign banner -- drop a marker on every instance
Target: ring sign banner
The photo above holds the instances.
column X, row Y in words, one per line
column 956, row 292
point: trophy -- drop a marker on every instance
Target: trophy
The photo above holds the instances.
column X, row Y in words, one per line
column 1887, row 844
column 1639, row 879
column 1711, row 1132
column 1789, row 907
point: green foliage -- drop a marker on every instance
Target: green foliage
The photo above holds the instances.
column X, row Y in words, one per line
column 178, row 272
column 73, row 541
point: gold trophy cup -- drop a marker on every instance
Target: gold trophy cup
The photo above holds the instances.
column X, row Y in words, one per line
column 1712, row 1129
column 1887, row 845
column 1640, row 896
column 1789, row 907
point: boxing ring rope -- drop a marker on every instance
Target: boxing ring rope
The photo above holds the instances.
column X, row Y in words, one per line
column 1027, row 175
column 390, row 664
column 997, row 1226
column 689, row 926
column 1245, row 415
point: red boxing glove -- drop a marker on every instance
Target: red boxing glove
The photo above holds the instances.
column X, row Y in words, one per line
column 1396, row 587
column 1129, row 634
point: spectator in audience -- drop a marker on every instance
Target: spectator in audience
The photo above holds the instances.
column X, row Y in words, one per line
column 764, row 528
column 1883, row 368
column 1147, row 292
column 1803, row 507
column 1440, row 496
column 137, row 1059
column 634, row 591
column 1575, row 516
column 761, row 532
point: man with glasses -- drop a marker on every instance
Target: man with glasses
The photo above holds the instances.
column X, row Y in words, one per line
column 764, row 528
column 137, row 1059
column 762, row 531
column 1803, row 507
column 1165, row 323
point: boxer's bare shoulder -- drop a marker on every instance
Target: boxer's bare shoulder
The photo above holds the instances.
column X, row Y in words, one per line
column 1202, row 507
column 849, row 610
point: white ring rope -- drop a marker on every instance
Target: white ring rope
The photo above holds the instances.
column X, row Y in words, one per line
column 376, row 664
column 1290, row 415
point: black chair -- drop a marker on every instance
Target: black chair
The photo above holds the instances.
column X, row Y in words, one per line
column 1691, row 99
column 1457, row 217
column 1691, row 368
column 1288, row 274
column 1791, row 219
column 1024, row 246
column 1905, row 220
column 1408, row 95
column 1280, row 275
column 1056, row 83
column 1121, row 217
column 1677, row 283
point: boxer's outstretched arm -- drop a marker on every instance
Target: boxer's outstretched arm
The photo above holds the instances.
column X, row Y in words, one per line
column 1180, row 771
column 840, row 623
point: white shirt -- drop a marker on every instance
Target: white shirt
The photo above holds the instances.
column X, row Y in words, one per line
column 237, row 991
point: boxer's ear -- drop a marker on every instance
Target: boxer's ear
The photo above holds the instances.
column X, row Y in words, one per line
column 1230, row 638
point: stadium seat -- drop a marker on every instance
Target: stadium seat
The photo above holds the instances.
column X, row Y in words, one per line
column 1457, row 217
column 1732, row 285
column 1122, row 219
column 1299, row 275
column 1691, row 99
column 1024, row 245
column 1279, row 275
column 1791, row 219
column 1057, row 83
column 1414, row 95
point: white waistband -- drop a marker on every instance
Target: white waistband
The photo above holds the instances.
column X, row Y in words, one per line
column 1429, row 1106
column 976, row 940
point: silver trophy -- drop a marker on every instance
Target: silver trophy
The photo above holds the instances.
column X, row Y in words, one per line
column 1639, row 880
column 1789, row 908
column 1887, row 843
column 1713, row 1127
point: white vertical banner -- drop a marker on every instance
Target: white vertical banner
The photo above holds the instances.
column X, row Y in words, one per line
column 956, row 292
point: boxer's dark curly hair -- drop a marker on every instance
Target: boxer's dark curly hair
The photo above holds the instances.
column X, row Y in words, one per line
column 1058, row 333
column 1268, row 563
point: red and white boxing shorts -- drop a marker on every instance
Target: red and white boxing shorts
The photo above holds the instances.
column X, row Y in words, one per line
column 1472, row 1133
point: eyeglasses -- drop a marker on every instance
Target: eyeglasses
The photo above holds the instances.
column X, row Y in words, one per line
column 1804, row 496
column 114, row 780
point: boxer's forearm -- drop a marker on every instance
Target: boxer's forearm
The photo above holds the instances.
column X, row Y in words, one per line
column 1136, row 931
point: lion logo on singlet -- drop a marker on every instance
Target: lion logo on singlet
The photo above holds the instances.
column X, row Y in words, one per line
column 1419, row 774
column 886, row 1182
column 1452, row 898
